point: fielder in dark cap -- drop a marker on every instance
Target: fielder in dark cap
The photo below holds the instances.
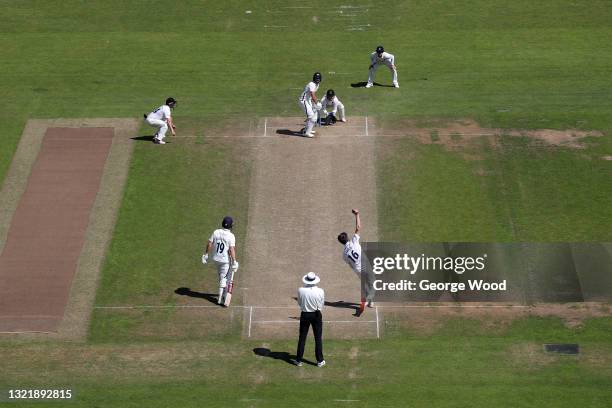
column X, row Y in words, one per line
column 380, row 57
column 161, row 118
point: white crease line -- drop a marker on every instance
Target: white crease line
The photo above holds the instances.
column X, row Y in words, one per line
column 250, row 319
column 27, row 332
column 296, row 308
column 266, row 127
column 377, row 325
column 166, row 307
column 324, row 321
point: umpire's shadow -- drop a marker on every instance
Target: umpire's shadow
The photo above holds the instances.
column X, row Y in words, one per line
column 279, row 355
column 211, row 297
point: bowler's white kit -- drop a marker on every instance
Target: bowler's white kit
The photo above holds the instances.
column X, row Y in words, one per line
column 335, row 105
column 385, row 59
column 159, row 119
column 222, row 240
column 352, row 254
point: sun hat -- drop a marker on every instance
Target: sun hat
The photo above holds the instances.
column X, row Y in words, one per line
column 311, row 278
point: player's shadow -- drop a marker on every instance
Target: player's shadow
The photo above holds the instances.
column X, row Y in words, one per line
column 143, row 138
column 211, row 297
column 288, row 132
column 363, row 84
column 343, row 305
column 278, row 355
column 340, row 304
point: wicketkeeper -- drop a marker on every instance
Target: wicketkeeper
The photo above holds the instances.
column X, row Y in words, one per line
column 336, row 112
column 223, row 244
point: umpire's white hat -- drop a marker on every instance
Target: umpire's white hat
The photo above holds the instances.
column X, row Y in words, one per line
column 311, row 278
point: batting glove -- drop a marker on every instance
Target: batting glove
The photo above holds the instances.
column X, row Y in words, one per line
column 205, row 259
column 235, row 266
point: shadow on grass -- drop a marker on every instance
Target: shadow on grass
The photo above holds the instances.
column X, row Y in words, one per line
column 211, row 297
column 143, row 138
column 279, row 355
column 363, row 84
column 288, row 132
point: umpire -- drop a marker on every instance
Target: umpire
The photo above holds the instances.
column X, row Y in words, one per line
column 311, row 299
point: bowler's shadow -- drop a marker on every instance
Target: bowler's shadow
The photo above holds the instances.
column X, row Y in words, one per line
column 363, row 84
column 143, row 138
column 212, row 298
column 288, row 132
column 278, row 355
column 341, row 304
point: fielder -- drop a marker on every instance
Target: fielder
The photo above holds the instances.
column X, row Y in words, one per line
column 310, row 105
column 337, row 108
column 161, row 118
column 223, row 244
column 380, row 57
column 352, row 256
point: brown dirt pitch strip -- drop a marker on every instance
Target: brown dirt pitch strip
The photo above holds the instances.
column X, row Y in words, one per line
column 301, row 195
column 57, row 215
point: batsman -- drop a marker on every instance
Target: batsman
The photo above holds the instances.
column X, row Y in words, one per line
column 222, row 243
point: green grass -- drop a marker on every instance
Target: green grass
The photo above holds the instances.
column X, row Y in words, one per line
column 518, row 191
column 521, row 64
column 464, row 363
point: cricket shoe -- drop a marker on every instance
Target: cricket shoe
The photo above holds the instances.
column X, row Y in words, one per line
column 308, row 134
column 343, row 120
column 370, row 304
column 369, row 85
column 297, row 363
column 161, row 142
column 395, row 85
column 321, row 363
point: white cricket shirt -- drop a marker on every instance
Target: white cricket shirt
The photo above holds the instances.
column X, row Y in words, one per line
column 352, row 254
column 161, row 113
column 222, row 239
column 311, row 298
column 305, row 96
column 333, row 102
column 385, row 58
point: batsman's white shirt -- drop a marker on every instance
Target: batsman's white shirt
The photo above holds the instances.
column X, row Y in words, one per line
column 222, row 239
column 161, row 113
column 352, row 254
column 311, row 298
column 386, row 59
column 306, row 97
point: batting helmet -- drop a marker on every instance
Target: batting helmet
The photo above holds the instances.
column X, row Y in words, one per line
column 171, row 102
column 380, row 49
column 330, row 94
column 316, row 78
column 227, row 222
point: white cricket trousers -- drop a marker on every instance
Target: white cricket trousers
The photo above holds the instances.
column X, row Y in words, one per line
column 373, row 70
column 311, row 115
column 162, row 126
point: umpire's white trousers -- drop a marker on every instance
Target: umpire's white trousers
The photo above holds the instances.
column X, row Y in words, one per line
column 162, row 126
